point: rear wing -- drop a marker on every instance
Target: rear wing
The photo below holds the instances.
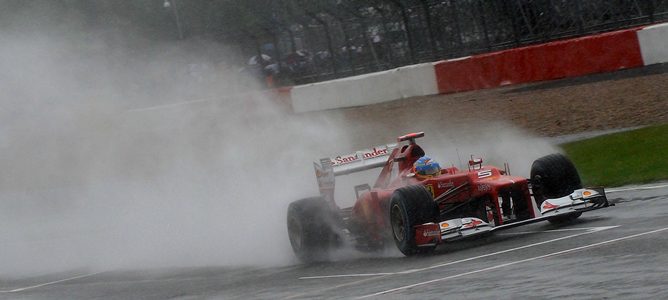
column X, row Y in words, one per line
column 359, row 161
column 363, row 160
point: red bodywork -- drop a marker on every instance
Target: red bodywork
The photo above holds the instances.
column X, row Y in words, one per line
column 369, row 215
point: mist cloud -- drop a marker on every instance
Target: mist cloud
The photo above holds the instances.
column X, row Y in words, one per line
column 119, row 156
column 116, row 154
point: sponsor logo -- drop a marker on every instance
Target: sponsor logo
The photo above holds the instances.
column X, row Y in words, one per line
column 366, row 154
column 445, row 225
column 548, row 205
column 445, row 185
column 473, row 223
column 431, row 189
column 484, row 188
column 431, row 233
column 375, row 153
column 342, row 160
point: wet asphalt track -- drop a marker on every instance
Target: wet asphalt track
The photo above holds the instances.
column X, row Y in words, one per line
column 616, row 253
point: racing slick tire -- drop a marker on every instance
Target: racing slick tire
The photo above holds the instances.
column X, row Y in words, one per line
column 410, row 206
column 554, row 176
column 311, row 229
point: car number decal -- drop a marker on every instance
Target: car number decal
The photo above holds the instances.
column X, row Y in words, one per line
column 485, row 173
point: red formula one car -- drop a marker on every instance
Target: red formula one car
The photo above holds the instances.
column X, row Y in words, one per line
column 416, row 214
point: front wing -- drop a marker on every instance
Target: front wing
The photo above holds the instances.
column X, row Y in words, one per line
column 581, row 200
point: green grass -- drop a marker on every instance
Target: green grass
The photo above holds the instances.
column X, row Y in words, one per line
column 637, row 156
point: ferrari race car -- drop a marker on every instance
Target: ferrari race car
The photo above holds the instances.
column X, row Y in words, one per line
column 417, row 214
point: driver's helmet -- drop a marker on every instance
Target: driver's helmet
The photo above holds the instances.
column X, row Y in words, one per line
column 425, row 167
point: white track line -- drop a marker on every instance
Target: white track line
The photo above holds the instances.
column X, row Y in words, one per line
column 349, row 275
column 318, row 293
column 589, row 231
column 551, row 230
column 513, row 263
column 157, row 107
column 49, row 283
column 638, row 188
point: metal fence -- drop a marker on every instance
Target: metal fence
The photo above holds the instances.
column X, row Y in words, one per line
column 341, row 38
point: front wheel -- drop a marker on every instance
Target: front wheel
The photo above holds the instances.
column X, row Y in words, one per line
column 560, row 220
column 554, row 176
column 411, row 206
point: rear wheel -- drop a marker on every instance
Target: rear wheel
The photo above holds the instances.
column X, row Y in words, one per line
column 554, row 176
column 411, row 206
column 312, row 229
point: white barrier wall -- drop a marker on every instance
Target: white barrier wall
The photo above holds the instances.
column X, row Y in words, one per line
column 417, row 80
column 421, row 79
column 654, row 44
column 409, row 81
column 344, row 92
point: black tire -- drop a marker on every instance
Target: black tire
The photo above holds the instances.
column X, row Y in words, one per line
column 554, row 176
column 410, row 206
column 312, row 229
column 561, row 220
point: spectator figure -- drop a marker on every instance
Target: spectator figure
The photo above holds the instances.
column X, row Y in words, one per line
column 263, row 69
column 298, row 64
